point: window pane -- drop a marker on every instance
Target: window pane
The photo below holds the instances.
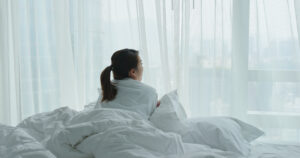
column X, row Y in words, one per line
column 275, row 97
column 273, row 42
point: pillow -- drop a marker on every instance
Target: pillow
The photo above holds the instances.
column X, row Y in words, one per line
column 169, row 116
column 225, row 133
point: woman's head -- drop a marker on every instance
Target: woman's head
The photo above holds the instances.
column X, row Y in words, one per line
column 125, row 63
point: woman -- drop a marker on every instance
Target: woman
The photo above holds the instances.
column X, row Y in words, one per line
column 127, row 91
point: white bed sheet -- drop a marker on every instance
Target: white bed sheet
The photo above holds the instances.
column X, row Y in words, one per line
column 258, row 150
column 268, row 150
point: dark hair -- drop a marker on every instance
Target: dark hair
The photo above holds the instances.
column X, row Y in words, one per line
column 122, row 61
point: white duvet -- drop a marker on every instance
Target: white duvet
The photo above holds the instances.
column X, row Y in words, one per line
column 16, row 143
column 113, row 133
column 109, row 133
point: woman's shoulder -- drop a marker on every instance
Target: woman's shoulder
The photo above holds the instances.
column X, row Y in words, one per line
column 146, row 87
column 149, row 89
column 137, row 85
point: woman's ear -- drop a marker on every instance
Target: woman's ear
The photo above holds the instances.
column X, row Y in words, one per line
column 132, row 74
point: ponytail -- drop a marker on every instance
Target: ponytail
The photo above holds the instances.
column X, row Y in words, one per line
column 109, row 91
column 122, row 61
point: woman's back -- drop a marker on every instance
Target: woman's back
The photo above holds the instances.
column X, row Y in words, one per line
column 126, row 91
column 133, row 95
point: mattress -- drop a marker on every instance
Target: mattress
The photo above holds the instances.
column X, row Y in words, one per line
column 259, row 150
column 275, row 150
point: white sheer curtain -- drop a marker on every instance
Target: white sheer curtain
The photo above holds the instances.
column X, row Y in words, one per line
column 273, row 68
column 52, row 52
column 225, row 57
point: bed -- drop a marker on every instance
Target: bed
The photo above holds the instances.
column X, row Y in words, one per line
column 114, row 133
column 67, row 133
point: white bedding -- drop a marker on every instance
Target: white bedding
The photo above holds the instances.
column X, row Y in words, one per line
column 263, row 151
column 267, row 150
column 113, row 133
column 16, row 143
column 224, row 133
column 107, row 133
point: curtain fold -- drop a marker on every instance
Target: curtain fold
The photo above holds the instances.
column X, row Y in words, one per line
column 240, row 41
column 296, row 9
column 209, row 60
column 10, row 66
column 68, row 81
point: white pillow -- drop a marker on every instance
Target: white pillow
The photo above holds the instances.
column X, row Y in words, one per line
column 225, row 133
column 169, row 116
column 228, row 134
